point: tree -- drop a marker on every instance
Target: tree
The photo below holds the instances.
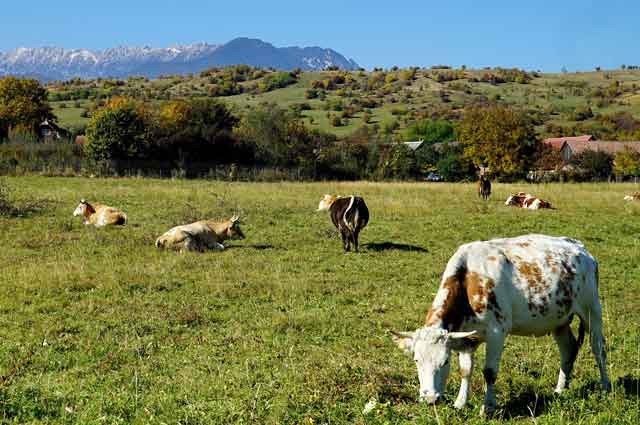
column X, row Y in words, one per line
column 120, row 130
column 431, row 131
column 593, row 164
column 197, row 129
column 499, row 138
column 23, row 105
column 627, row 163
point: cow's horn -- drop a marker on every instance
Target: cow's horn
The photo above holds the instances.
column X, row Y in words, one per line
column 458, row 335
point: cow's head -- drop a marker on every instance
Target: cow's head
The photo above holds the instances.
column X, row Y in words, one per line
column 84, row 208
column 431, row 349
column 326, row 202
column 515, row 199
column 233, row 230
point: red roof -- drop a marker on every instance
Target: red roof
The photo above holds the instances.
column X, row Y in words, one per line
column 611, row 148
column 557, row 142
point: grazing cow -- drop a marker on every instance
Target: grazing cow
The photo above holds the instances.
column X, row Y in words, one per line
column 527, row 201
column 484, row 187
column 201, row 235
column 99, row 215
column 528, row 285
column 349, row 214
column 633, row 197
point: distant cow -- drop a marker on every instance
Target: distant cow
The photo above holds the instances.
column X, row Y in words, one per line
column 99, row 215
column 201, row 235
column 484, row 187
column 633, row 197
column 528, row 285
column 349, row 214
column 528, row 201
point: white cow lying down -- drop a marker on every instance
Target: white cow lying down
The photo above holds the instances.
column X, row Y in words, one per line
column 99, row 215
column 529, row 285
column 201, row 235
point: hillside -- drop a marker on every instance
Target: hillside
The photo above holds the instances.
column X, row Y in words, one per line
column 603, row 103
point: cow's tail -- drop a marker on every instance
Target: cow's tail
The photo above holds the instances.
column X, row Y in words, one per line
column 582, row 327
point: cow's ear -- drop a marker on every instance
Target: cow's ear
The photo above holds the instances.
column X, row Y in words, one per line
column 404, row 340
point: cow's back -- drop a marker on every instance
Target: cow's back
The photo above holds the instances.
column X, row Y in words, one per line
column 351, row 209
column 529, row 285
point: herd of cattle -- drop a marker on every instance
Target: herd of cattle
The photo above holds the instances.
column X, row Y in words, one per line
column 528, row 285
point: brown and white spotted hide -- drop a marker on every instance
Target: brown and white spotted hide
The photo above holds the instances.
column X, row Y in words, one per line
column 633, row 197
column 99, row 215
column 349, row 215
column 484, row 187
column 527, row 201
column 201, row 235
column 528, row 285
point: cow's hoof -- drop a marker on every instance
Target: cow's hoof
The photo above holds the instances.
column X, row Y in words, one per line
column 487, row 411
column 459, row 404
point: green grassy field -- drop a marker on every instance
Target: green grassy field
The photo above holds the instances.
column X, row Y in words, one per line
column 99, row 327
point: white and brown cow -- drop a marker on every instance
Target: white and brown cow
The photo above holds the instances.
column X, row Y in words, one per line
column 527, row 201
column 99, row 215
column 528, row 285
column 201, row 235
column 349, row 214
column 633, row 197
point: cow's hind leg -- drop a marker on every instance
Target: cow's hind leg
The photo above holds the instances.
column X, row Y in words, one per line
column 466, row 369
column 346, row 239
column 568, row 351
column 355, row 234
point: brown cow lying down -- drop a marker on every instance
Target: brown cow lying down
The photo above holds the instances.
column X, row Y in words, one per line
column 529, row 285
column 201, row 235
column 528, row 201
column 99, row 215
column 633, row 197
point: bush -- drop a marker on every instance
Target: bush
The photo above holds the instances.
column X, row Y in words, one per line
column 593, row 165
column 121, row 130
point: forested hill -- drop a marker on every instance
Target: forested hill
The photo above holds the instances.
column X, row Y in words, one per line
column 603, row 103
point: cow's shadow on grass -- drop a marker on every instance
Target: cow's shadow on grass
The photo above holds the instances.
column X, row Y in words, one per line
column 392, row 246
column 527, row 404
column 630, row 385
column 257, row 247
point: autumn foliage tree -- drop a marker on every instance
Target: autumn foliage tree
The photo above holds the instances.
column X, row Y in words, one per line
column 500, row 138
column 23, row 105
column 627, row 163
column 121, row 130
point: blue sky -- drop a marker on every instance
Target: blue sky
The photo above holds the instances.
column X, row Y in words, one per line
column 546, row 35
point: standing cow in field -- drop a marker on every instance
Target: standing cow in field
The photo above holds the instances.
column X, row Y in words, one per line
column 529, row 285
column 349, row 214
column 201, row 235
column 484, row 187
column 99, row 215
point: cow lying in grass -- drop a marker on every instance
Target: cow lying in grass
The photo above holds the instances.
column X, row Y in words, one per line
column 529, row 285
column 528, row 201
column 349, row 214
column 99, row 215
column 201, row 235
column 633, row 197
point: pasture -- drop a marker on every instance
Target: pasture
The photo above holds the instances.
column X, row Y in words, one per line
column 99, row 327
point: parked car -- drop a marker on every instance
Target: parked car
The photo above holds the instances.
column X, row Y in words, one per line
column 433, row 177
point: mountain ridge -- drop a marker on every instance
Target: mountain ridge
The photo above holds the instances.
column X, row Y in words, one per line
column 57, row 63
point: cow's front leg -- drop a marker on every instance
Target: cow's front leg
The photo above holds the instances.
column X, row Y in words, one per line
column 495, row 345
column 466, row 369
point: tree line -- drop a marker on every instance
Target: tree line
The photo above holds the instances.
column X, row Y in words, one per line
column 206, row 132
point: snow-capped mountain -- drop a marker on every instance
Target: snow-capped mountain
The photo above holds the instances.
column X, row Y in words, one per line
column 55, row 63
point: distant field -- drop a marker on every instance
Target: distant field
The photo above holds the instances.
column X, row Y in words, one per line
column 555, row 96
column 97, row 326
